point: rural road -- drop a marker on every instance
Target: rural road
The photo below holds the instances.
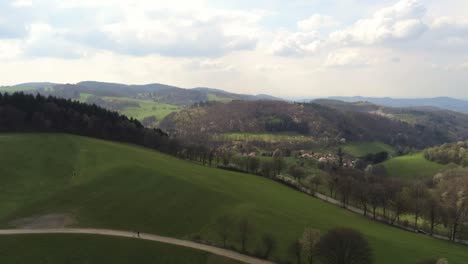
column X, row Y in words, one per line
column 167, row 240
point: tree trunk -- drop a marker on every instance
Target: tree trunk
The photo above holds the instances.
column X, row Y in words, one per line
column 432, row 222
column 416, row 217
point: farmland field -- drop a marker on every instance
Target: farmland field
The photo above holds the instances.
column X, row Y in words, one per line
column 102, row 184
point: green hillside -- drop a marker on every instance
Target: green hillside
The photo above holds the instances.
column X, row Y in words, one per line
column 359, row 149
column 412, row 166
column 59, row 249
column 136, row 108
column 102, row 184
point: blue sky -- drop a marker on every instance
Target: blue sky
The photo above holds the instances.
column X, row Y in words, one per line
column 297, row 48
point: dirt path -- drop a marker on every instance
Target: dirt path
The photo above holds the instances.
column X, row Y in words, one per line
column 167, row 240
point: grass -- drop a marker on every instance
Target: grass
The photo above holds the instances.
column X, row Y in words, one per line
column 359, row 149
column 145, row 108
column 58, row 249
column 214, row 97
column 268, row 137
column 413, row 166
column 110, row 185
column 12, row 89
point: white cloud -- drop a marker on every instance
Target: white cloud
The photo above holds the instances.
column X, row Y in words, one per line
column 296, row 43
column 138, row 28
column 400, row 22
column 347, row 58
column 22, row 3
column 199, row 43
column 210, row 65
column 9, row 49
column 317, row 22
column 267, row 67
column 45, row 41
column 450, row 33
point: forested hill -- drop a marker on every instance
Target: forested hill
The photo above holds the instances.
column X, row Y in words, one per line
column 155, row 92
column 439, row 102
column 28, row 113
column 318, row 121
column 453, row 124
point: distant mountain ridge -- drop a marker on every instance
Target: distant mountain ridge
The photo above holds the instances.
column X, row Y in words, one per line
column 154, row 91
column 447, row 103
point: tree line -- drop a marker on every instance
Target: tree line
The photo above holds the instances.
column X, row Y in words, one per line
column 21, row 112
column 439, row 202
column 449, row 153
column 338, row 246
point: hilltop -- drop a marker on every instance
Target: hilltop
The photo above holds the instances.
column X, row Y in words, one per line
column 320, row 121
column 439, row 102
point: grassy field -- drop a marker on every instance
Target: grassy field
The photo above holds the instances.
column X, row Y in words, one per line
column 146, row 108
column 10, row 89
column 359, row 149
column 267, row 137
column 412, row 166
column 58, row 249
column 109, row 185
column 214, row 97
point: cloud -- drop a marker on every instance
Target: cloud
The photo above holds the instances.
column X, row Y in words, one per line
column 180, row 35
column 210, row 65
column 22, row 3
column 267, row 67
column 9, row 49
column 317, row 22
column 296, row 43
column 137, row 28
column 400, row 22
column 347, row 58
column 45, row 41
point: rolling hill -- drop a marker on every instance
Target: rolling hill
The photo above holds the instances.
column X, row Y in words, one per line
column 156, row 92
column 454, row 124
column 149, row 101
column 316, row 120
column 439, row 102
column 413, row 166
column 102, row 184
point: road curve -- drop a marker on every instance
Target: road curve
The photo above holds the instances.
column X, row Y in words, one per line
column 167, row 240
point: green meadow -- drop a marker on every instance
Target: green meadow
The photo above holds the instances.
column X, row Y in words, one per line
column 90, row 249
column 102, row 184
column 359, row 149
column 413, row 166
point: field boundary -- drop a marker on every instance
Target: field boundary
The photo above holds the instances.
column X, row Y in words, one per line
column 144, row 236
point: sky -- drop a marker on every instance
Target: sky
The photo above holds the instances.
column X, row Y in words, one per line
column 295, row 48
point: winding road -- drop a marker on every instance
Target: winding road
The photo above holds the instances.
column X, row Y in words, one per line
column 167, row 240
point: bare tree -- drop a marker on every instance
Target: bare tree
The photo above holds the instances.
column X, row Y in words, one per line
column 399, row 205
column 314, row 182
column 434, row 210
column 297, row 172
column 245, row 232
column 266, row 168
column 375, row 197
column 295, row 249
column 418, row 195
column 309, row 240
column 269, row 245
column 344, row 246
column 455, row 201
column 224, row 224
